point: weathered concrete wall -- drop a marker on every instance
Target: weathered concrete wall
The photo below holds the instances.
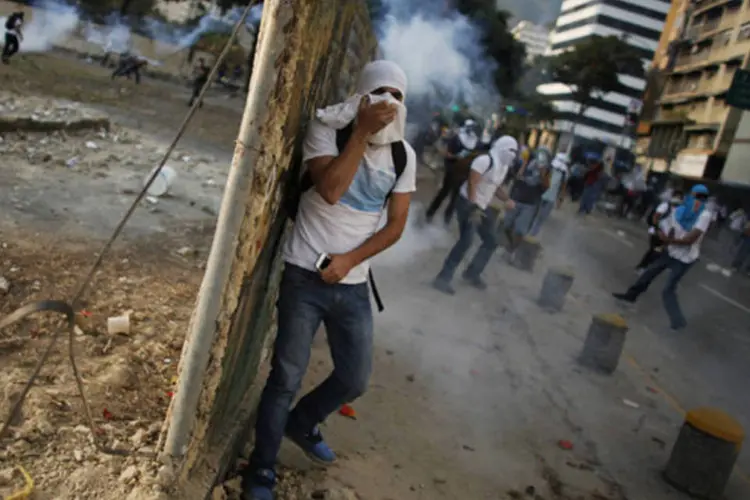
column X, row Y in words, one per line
column 326, row 43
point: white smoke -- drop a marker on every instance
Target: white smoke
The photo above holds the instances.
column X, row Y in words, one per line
column 418, row 238
column 441, row 54
column 50, row 24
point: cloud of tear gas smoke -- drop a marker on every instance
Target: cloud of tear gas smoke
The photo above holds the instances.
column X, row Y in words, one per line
column 417, row 239
column 50, row 24
column 440, row 51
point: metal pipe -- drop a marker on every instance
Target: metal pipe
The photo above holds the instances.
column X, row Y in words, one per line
column 202, row 329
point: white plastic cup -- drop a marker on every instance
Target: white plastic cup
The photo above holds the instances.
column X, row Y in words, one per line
column 163, row 181
column 118, row 325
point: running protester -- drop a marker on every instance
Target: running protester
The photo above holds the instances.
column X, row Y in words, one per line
column 683, row 235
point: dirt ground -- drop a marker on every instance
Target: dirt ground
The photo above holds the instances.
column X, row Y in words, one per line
column 62, row 195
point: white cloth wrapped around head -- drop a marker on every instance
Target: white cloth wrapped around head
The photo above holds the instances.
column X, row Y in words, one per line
column 467, row 135
column 374, row 76
column 504, row 151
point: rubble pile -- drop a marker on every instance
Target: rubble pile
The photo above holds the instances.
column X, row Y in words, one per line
column 36, row 114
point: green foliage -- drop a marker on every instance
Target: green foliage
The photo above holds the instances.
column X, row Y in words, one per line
column 591, row 68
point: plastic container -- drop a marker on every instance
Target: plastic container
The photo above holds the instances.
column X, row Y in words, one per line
column 118, row 325
column 163, row 181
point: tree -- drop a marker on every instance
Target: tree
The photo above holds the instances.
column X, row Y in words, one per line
column 592, row 68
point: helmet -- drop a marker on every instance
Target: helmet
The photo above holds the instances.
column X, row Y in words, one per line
column 699, row 189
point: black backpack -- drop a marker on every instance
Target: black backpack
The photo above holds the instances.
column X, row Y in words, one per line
column 295, row 190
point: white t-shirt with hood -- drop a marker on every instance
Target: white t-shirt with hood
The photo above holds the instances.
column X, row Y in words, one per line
column 340, row 228
column 493, row 173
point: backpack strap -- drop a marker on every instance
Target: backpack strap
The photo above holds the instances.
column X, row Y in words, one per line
column 398, row 154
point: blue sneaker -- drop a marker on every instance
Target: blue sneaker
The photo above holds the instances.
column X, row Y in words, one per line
column 312, row 444
column 259, row 485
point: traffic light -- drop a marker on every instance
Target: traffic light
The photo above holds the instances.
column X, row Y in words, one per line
column 510, row 109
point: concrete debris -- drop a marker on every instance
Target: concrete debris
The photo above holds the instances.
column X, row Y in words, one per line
column 4, row 285
column 129, row 475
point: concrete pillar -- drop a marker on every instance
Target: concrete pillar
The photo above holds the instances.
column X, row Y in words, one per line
column 604, row 343
column 527, row 253
column 556, row 285
column 705, row 453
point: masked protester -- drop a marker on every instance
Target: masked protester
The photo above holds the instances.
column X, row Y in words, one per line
column 459, row 147
column 474, row 215
column 657, row 219
column 337, row 229
column 531, row 182
column 682, row 234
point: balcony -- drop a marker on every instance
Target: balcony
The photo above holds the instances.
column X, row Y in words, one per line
column 718, row 55
column 703, row 5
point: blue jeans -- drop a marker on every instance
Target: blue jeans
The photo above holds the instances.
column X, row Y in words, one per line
column 742, row 257
column 487, row 232
column 545, row 210
column 520, row 219
column 588, row 199
column 306, row 301
column 677, row 270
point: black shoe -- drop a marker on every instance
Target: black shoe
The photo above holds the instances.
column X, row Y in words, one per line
column 475, row 281
column 624, row 297
column 443, row 286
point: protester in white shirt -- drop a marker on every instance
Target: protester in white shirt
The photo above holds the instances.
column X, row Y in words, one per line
column 336, row 231
column 487, row 174
column 683, row 236
column 659, row 217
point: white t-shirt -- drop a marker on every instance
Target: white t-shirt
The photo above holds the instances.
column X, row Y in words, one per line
column 15, row 27
column 688, row 253
column 491, row 179
column 336, row 229
column 661, row 210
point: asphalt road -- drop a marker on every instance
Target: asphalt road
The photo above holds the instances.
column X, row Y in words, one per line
column 704, row 365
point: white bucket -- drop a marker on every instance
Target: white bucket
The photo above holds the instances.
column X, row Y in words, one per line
column 163, row 181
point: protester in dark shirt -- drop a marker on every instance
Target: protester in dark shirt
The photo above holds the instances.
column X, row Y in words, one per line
column 13, row 35
column 532, row 180
column 458, row 148
column 201, row 77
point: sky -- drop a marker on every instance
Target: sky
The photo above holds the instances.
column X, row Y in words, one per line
column 538, row 11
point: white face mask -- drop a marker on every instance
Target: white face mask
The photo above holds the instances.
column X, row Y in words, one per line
column 394, row 131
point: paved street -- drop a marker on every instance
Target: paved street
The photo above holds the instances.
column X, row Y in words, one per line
column 472, row 394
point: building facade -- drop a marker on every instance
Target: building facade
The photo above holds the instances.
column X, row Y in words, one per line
column 533, row 36
column 640, row 23
column 692, row 110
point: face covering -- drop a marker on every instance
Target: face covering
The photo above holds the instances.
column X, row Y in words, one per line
column 467, row 136
column 504, row 151
column 687, row 214
column 394, row 131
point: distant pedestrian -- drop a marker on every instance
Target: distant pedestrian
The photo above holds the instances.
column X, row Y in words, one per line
column 593, row 184
column 474, row 215
column 555, row 194
column 13, row 35
column 201, row 78
column 686, row 229
column 657, row 219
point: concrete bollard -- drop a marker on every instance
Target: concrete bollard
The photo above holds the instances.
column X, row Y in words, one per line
column 555, row 287
column 604, row 343
column 527, row 253
column 705, row 453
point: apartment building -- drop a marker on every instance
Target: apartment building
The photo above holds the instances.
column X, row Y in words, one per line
column 641, row 23
column 693, row 118
column 534, row 37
